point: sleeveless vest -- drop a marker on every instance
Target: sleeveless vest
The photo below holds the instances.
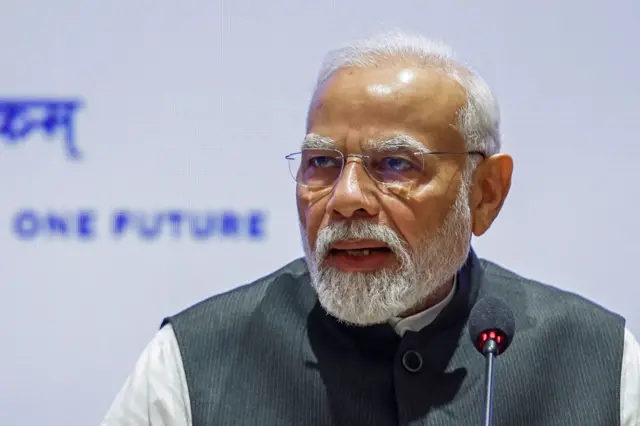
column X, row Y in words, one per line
column 268, row 354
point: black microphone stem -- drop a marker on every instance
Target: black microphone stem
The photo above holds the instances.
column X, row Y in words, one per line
column 490, row 350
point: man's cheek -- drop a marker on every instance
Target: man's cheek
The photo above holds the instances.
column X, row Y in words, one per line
column 303, row 211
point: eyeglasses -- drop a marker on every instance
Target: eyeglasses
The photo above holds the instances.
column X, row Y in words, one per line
column 321, row 168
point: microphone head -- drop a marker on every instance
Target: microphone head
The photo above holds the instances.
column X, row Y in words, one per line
column 491, row 318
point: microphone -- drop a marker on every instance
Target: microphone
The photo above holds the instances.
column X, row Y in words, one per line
column 491, row 328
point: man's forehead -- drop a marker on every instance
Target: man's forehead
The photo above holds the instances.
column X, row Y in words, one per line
column 387, row 99
column 396, row 85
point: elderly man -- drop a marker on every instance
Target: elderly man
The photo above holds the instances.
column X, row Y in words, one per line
column 400, row 165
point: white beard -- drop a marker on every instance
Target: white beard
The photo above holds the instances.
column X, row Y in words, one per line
column 360, row 298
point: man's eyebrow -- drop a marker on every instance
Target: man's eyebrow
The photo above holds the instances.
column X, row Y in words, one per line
column 394, row 143
column 314, row 141
column 397, row 142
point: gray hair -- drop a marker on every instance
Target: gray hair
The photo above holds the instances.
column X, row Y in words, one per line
column 479, row 119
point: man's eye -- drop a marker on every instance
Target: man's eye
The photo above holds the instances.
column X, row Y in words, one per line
column 396, row 164
column 324, row 162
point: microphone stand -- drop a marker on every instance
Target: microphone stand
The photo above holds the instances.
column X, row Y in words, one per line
column 490, row 351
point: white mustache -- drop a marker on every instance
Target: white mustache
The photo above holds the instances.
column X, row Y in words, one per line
column 357, row 230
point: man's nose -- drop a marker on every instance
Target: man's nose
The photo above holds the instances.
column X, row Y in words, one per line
column 353, row 193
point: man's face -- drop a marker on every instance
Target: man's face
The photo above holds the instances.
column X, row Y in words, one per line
column 377, row 250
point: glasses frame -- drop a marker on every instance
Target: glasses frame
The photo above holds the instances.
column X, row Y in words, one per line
column 364, row 157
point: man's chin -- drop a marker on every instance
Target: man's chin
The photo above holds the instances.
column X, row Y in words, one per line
column 360, row 298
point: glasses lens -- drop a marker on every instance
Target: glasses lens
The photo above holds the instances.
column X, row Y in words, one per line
column 316, row 167
column 397, row 167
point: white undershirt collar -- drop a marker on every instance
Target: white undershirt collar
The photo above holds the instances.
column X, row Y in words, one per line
column 422, row 319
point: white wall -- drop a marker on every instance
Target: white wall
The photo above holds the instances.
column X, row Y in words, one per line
column 193, row 105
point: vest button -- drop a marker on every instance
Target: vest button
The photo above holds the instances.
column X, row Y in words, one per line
column 412, row 361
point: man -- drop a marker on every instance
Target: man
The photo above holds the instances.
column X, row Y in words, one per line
column 400, row 165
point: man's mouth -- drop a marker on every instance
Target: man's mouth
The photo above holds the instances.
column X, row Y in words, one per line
column 361, row 251
column 359, row 256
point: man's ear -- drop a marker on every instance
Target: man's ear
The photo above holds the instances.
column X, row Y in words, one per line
column 491, row 184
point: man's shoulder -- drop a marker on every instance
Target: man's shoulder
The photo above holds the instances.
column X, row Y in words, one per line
column 243, row 300
column 536, row 298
